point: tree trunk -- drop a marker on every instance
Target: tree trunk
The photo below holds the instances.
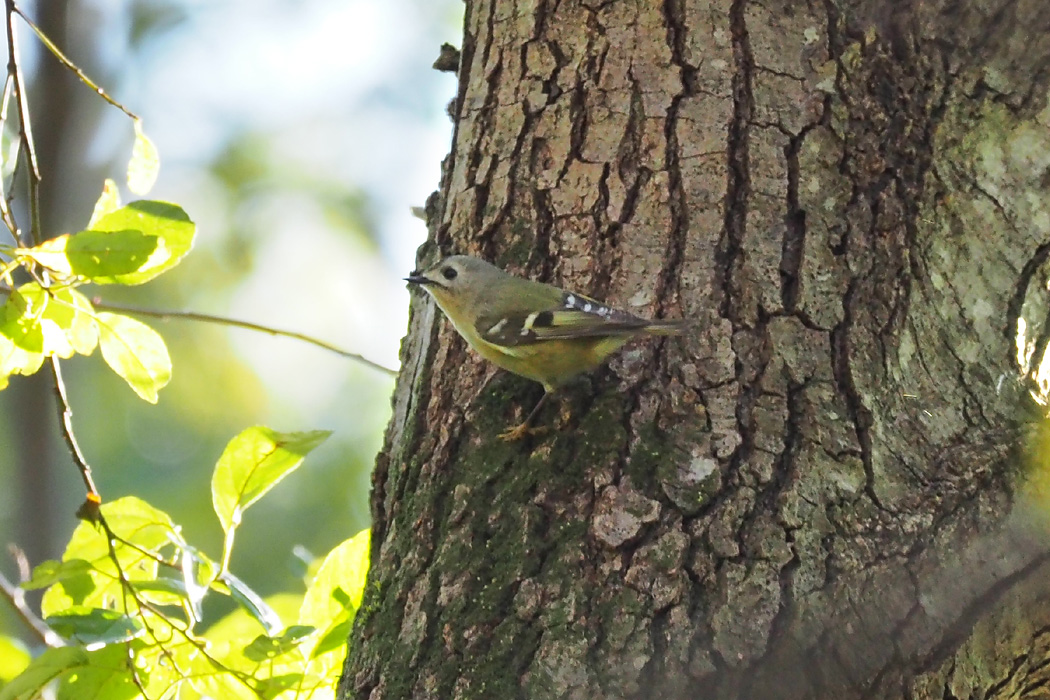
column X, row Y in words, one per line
column 819, row 493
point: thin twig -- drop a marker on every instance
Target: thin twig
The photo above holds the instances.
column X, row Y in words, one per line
column 166, row 315
column 25, row 131
column 57, row 53
column 129, row 590
column 223, row 321
column 65, row 419
column 5, row 209
column 17, row 598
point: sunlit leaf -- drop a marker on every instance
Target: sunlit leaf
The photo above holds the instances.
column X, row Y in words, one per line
column 344, row 570
column 195, row 587
column 65, row 317
column 231, row 630
column 135, row 352
column 162, row 591
column 167, row 222
column 129, row 245
column 252, row 463
column 9, row 145
column 51, row 254
column 266, row 647
column 21, row 338
column 145, row 527
column 108, row 257
column 336, row 591
column 81, row 674
column 144, row 163
column 103, row 257
column 88, row 626
column 50, row 572
column 253, row 603
column 212, row 683
column 275, row 685
column 108, row 202
column 14, row 658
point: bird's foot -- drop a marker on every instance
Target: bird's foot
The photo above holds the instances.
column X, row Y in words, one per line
column 520, row 432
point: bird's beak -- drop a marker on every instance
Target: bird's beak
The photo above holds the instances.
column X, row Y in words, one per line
column 419, row 278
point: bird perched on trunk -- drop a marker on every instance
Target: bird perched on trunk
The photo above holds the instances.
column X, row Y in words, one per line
column 529, row 328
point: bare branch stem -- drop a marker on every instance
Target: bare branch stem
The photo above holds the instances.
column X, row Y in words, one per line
column 223, row 321
column 65, row 419
column 25, row 132
column 17, row 598
column 57, row 53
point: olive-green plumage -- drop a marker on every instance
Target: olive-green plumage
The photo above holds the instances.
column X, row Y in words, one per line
column 529, row 328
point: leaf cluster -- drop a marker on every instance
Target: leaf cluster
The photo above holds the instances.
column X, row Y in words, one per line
column 126, row 601
column 49, row 317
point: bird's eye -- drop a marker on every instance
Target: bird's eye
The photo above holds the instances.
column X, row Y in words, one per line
column 449, row 273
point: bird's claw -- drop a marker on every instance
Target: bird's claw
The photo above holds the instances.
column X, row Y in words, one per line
column 520, row 432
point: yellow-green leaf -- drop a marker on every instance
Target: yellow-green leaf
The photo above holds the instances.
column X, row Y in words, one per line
column 88, row 575
column 79, row 674
column 108, row 202
column 51, row 254
column 335, row 593
column 144, row 164
column 103, row 257
column 346, row 568
column 13, row 658
column 167, row 223
column 135, row 352
column 252, row 463
column 129, row 245
column 66, row 320
column 21, row 338
column 94, row 626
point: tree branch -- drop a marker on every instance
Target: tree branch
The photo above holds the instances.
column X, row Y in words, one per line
column 57, row 53
column 17, row 598
column 223, row 321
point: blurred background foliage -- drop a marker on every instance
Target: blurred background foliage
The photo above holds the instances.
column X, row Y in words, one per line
column 297, row 134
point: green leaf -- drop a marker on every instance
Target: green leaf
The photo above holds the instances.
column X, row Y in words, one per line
column 335, row 637
column 88, row 626
column 108, row 202
column 50, row 572
column 108, row 257
column 101, row 675
column 21, row 338
column 343, row 571
column 13, row 658
column 144, row 163
column 129, row 245
column 36, row 323
column 275, row 685
column 167, row 223
column 133, row 520
column 336, row 591
column 211, row 683
column 104, row 257
column 10, row 145
column 135, row 352
column 162, row 591
column 252, row 463
column 266, row 647
column 66, row 319
column 194, row 586
column 253, row 603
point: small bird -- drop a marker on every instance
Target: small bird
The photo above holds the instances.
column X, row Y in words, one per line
column 532, row 329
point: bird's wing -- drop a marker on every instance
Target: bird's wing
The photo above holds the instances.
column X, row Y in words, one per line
column 577, row 317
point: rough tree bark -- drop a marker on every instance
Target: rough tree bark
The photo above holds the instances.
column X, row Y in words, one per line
column 820, row 493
